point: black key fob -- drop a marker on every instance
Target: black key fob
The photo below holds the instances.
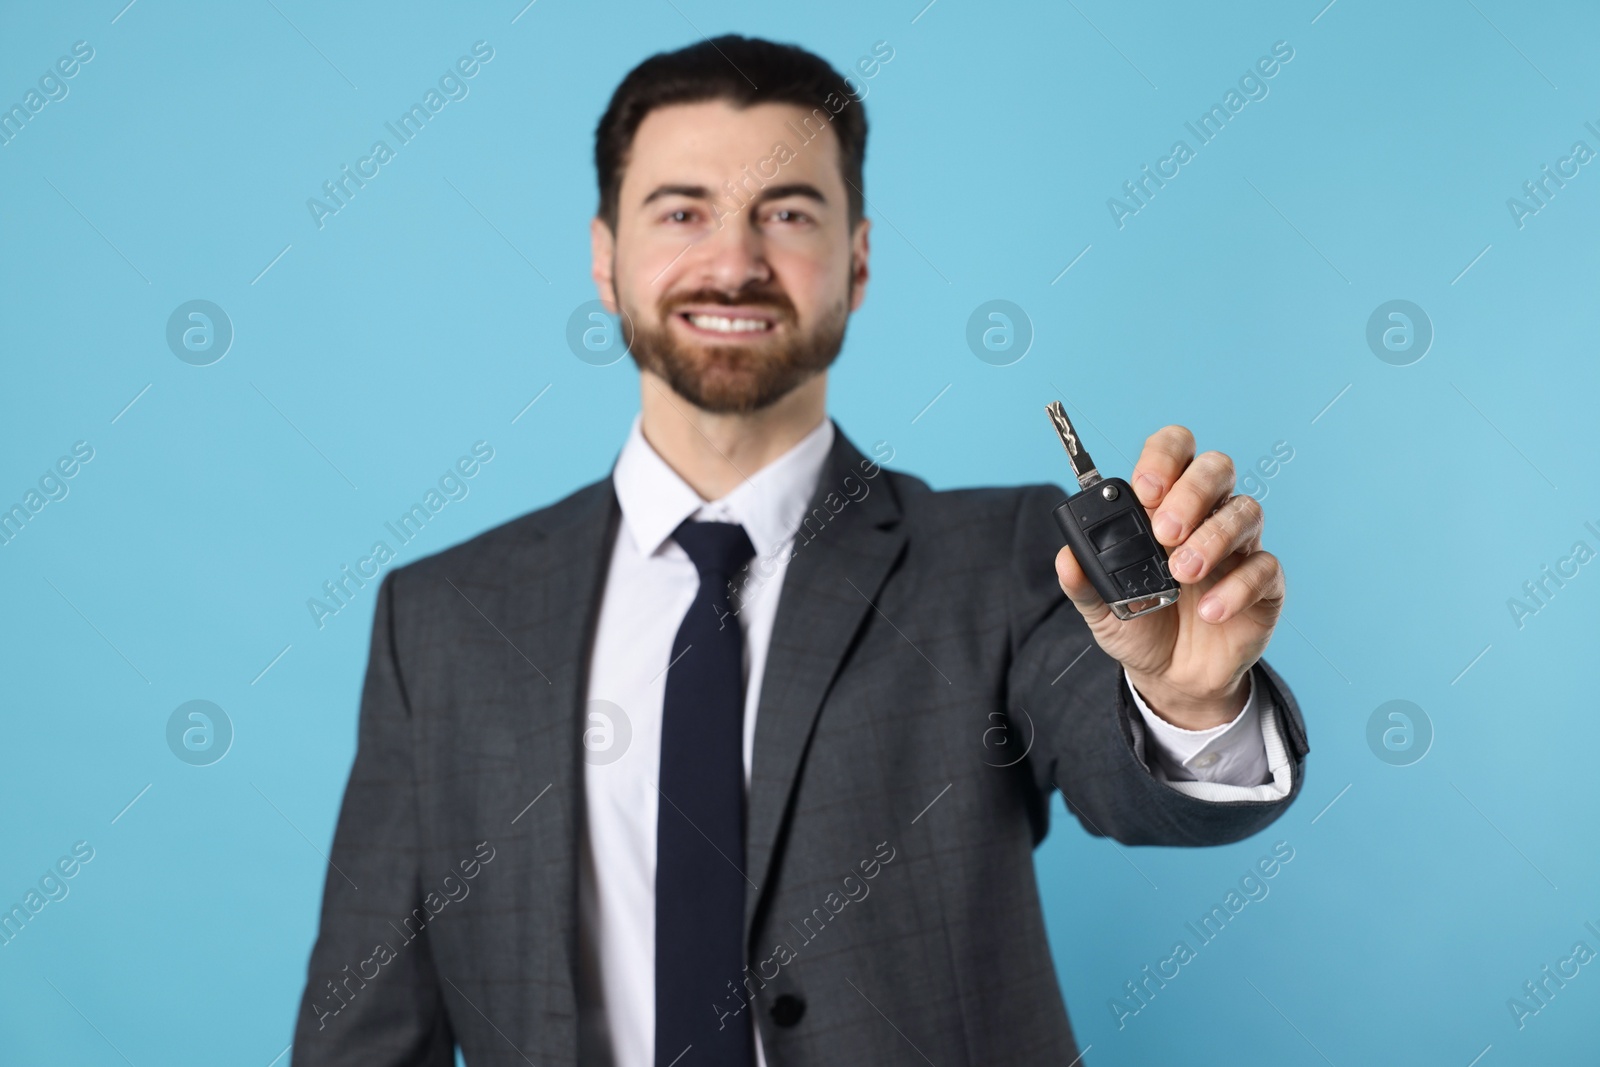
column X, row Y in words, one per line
column 1110, row 534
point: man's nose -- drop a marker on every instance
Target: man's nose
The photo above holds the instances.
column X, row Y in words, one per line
column 730, row 256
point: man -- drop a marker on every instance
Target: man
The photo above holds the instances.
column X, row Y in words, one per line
column 739, row 755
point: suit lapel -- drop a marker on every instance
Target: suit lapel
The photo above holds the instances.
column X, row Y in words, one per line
column 841, row 555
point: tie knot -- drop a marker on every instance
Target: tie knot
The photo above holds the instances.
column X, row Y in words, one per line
column 715, row 547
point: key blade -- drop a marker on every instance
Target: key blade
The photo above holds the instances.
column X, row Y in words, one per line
column 1077, row 455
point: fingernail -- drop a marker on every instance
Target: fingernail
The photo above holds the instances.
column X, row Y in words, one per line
column 1211, row 609
column 1147, row 487
column 1167, row 528
column 1187, row 560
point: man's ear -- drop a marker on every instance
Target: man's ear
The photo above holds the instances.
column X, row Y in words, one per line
column 860, row 247
column 602, row 254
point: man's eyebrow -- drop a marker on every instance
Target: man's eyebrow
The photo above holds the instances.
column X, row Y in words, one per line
column 775, row 192
column 693, row 192
column 805, row 189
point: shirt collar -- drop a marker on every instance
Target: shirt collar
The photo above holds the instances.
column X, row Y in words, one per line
column 770, row 504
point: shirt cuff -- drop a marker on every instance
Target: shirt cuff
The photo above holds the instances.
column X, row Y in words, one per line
column 1244, row 759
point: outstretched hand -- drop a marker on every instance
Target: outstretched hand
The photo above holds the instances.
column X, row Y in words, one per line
column 1189, row 661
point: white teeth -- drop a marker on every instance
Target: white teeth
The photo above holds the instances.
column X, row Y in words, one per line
column 724, row 325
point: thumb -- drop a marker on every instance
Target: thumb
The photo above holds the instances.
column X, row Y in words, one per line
column 1078, row 588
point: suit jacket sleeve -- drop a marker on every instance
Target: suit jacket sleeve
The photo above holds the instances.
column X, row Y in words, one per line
column 1084, row 740
column 382, row 1007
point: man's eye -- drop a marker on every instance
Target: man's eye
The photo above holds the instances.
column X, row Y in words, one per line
column 680, row 215
column 789, row 214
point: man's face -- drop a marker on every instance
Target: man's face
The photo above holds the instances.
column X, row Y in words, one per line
column 733, row 260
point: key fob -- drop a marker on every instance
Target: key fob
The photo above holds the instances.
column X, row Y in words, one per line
column 1109, row 533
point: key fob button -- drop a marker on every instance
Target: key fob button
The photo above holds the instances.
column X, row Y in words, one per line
column 1114, row 531
column 1143, row 577
column 1127, row 553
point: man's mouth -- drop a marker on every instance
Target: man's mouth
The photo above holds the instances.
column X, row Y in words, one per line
column 731, row 322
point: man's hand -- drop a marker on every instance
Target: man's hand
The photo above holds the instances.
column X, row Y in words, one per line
column 1189, row 661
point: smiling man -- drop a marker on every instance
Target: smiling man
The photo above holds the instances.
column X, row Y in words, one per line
column 757, row 735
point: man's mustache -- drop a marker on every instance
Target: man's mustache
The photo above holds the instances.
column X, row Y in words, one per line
column 772, row 300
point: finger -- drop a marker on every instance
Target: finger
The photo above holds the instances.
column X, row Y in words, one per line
column 1236, row 525
column 1205, row 483
column 1078, row 588
column 1229, row 564
column 1256, row 581
column 1166, row 453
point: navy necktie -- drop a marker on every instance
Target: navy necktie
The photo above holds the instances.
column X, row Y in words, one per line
column 700, row 879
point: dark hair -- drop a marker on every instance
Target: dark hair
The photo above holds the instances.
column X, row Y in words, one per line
column 742, row 71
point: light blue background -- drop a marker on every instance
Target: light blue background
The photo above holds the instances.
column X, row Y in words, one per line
column 375, row 351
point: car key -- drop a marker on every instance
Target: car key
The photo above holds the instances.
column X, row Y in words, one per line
column 1110, row 533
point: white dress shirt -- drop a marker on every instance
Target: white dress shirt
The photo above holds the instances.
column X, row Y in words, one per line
column 649, row 587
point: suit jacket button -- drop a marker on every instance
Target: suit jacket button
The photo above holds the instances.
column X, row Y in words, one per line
column 787, row 1009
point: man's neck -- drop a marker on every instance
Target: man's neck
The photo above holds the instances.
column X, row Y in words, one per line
column 714, row 453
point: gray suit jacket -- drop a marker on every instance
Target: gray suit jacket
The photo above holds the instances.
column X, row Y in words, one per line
column 892, row 817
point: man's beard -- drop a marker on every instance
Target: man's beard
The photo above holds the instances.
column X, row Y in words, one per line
column 729, row 378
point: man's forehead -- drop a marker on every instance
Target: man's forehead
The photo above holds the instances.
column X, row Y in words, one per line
column 712, row 140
